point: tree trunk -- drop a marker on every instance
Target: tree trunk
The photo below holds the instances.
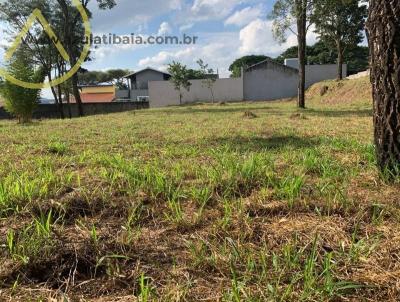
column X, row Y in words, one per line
column 68, row 28
column 57, row 99
column 67, row 96
column 383, row 29
column 77, row 94
column 302, row 44
column 340, row 60
column 61, row 105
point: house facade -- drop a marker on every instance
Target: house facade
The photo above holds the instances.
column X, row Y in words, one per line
column 138, row 84
column 100, row 93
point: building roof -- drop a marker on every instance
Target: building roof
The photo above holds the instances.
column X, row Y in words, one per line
column 97, row 85
column 145, row 69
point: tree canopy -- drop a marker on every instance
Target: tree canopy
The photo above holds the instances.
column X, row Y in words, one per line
column 179, row 77
column 339, row 24
column 112, row 76
column 236, row 67
column 356, row 57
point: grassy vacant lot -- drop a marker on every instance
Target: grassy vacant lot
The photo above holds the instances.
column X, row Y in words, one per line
column 201, row 203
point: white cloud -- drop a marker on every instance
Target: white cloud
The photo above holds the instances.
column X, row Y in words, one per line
column 244, row 16
column 219, row 51
column 165, row 57
column 128, row 14
column 186, row 27
column 164, row 29
column 257, row 38
column 213, row 9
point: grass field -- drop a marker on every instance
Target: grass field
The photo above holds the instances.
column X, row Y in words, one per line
column 235, row 202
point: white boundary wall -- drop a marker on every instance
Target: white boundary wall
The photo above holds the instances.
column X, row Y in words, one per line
column 163, row 93
column 262, row 82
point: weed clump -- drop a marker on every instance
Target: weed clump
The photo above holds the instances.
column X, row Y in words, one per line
column 250, row 115
column 324, row 90
column 57, row 148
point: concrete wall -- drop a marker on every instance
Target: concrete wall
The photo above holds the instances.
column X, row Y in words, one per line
column 139, row 92
column 272, row 81
column 131, row 95
column 269, row 81
column 162, row 93
column 143, row 78
column 122, row 94
column 51, row 110
column 318, row 73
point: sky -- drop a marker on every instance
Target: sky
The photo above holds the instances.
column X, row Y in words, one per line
column 226, row 30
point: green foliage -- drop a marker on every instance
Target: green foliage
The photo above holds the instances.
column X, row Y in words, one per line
column 356, row 58
column 339, row 24
column 68, row 26
column 286, row 13
column 113, row 76
column 194, row 74
column 179, row 77
column 207, row 76
column 238, row 64
column 57, row 147
column 340, row 21
column 19, row 101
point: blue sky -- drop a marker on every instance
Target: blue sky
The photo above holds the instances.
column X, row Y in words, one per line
column 227, row 29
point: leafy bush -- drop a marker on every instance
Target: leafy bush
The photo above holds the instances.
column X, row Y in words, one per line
column 19, row 101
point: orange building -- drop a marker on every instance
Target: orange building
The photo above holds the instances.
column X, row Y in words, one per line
column 101, row 93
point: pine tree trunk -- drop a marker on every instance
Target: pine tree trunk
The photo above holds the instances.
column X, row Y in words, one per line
column 383, row 29
column 302, row 43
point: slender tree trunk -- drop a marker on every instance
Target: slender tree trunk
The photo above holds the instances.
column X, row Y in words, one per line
column 340, row 60
column 302, row 44
column 67, row 96
column 70, row 48
column 77, row 94
column 383, row 29
column 61, row 107
column 57, row 100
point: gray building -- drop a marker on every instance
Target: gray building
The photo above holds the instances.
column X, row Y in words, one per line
column 269, row 80
column 138, row 84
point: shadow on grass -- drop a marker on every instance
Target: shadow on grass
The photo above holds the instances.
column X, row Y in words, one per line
column 340, row 113
column 257, row 144
column 224, row 109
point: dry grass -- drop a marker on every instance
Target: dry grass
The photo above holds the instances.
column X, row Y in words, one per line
column 200, row 204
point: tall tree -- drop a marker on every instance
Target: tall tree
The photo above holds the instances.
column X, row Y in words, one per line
column 37, row 44
column 285, row 14
column 179, row 77
column 66, row 22
column 340, row 24
column 383, row 29
column 73, row 36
